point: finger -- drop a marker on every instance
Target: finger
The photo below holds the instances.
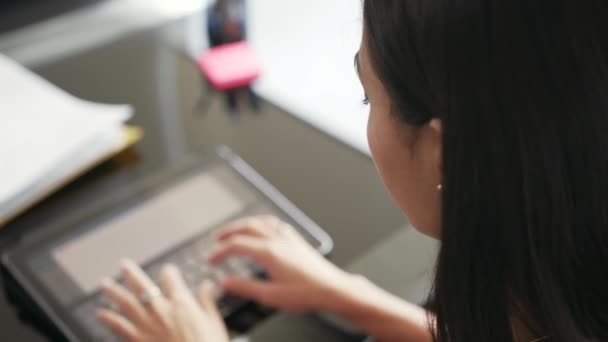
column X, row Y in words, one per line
column 247, row 230
column 207, row 300
column 270, row 221
column 257, row 290
column 119, row 325
column 140, row 283
column 295, row 297
column 253, row 248
column 288, row 230
column 126, row 302
column 135, row 277
column 173, row 283
column 260, row 227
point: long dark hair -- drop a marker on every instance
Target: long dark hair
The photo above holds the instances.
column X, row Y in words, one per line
column 521, row 87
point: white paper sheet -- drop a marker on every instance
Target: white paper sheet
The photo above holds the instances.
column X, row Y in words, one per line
column 43, row 129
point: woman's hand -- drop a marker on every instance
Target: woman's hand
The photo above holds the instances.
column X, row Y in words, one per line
column 301, row 280
column 148, row 315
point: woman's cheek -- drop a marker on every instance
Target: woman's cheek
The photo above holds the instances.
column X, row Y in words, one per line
column 372, row 135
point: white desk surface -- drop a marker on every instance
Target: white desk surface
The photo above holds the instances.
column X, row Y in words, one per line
column 308, row 48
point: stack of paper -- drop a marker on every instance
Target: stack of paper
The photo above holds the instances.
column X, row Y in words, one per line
column 47, row 137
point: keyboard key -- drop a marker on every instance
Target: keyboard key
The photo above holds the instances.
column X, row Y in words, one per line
column 229, row 304
column 87, row 315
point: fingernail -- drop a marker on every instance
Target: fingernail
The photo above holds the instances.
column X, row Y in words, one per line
column 107, row 283
column 125, row 263
column 207, row 285
column 215, row 257
column 170, row 268
column 213, row 288
column 224, row 282
column 100, row 313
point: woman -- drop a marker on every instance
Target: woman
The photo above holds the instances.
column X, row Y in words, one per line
column 488, row 125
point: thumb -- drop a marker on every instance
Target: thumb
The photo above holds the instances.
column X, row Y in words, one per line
column 206, row 298
column 292, row 298
column 263, row 292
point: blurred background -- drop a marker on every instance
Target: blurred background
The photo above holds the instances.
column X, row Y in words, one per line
column 304, row 128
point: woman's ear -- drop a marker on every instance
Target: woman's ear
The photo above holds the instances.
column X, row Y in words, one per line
column 436, row 130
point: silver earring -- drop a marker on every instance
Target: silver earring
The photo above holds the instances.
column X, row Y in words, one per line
column 439, row 187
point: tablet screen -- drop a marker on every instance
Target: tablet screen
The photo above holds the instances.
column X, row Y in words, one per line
column 152, row 228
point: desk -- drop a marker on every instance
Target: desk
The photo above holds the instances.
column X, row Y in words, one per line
column 148, row 68
column 308, row 48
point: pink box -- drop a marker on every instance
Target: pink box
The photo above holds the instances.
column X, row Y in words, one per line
column 230, row 66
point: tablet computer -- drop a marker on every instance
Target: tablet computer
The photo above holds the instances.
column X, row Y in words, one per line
column 169, row 218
